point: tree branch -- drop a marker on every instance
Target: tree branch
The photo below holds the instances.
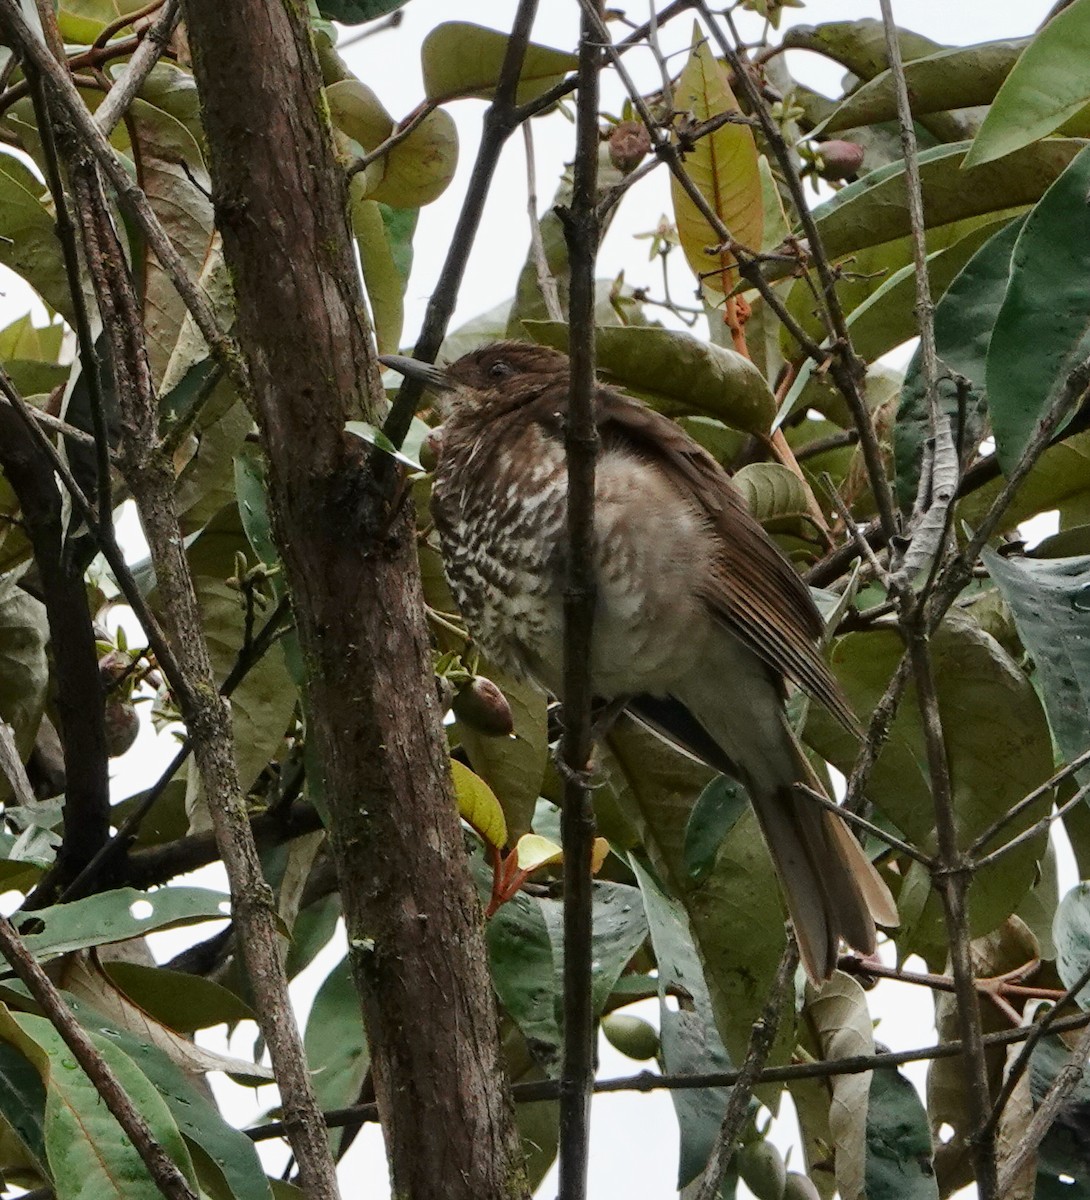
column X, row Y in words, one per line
column 760, row 1044
column 166, row 1176
column 580, row 592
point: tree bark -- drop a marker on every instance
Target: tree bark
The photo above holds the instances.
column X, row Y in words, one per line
column 414, row 924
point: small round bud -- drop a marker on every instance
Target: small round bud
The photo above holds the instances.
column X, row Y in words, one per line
column 762, row 1168
column 628, row 144
column 632, row 1036
column 482, row 706
column 122, row 726
column 839, row 159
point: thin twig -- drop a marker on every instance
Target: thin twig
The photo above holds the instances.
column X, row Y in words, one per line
column 760, row 1044
column 648, row 1081
column 951, row 878
column 1048, row 1110
column 408, row 126
column 1034, row 831
column 1031, row 798
column 147, row 54
column 57, row 425
column 846, row 367
column 859, row 822
column 545, row 280
column 129, row 192
column 581, row 232
column 1039, row 1029
column 938, row 486
column 167, row 1177
column 66, row 235
column 500, row 120
column 878, row 729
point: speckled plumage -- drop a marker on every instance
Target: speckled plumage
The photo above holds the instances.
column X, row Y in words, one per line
column 699, row 617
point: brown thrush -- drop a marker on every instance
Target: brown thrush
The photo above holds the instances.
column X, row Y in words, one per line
column 699, row 616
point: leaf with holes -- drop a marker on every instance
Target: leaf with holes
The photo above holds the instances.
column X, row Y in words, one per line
column 117, row 916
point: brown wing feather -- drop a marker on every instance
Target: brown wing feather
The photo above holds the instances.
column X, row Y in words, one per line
column 754, row 591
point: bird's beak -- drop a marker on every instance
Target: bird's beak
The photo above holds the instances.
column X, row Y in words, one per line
column 427, row 374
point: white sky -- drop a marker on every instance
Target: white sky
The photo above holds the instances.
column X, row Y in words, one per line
column 622, row 1164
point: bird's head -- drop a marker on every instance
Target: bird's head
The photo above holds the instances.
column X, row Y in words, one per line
column 492, row 379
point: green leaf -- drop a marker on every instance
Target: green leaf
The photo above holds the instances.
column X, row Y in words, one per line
column 714, row 814
column 675, row 372
column 375, row 437
column 733, row 911
column 1043, row 327
column 198, row 1118
column 335, row 1041
column 512, row 767
column 525, row 945
column 995, row 758
column 355, row 12
column 170, row 168
column 22, row 1101
column 1049, row 84
column 956, row 77
column 117, row 916
column 84, row 20
column 1071, row 933
column 859, row 46
column 723, row 166
column 688, row 1036
column 525, row 972
column 964, row 319
column 88, row 1153
column 263, row 703
column 1050, row 600
column 875, row 209
column 384, row 282
column 180, row 1000
column 28, row 243
column 460, row 59
column 899, row 1152
column 478, row 806
column 774, row 494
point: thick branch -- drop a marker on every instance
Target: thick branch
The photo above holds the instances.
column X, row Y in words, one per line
column 416, row 945
column 80, row 697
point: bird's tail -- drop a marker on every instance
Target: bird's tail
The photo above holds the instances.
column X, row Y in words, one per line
column 832, row 889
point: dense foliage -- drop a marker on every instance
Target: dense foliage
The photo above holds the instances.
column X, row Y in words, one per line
column 686, row 907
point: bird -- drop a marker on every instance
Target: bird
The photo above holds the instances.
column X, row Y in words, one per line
column 699, row 618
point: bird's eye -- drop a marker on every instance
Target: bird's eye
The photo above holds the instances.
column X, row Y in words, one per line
column 500, row 369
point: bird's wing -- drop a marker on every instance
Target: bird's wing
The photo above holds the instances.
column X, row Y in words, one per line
column 753, row 589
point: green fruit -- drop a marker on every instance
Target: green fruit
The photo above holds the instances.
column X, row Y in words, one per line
column 762, row 1168
column 798, row 1187
column 632, row 1036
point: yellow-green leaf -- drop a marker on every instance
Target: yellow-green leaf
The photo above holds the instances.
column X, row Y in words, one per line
column 478, row 806
column 535, row 851
column 462, row 59
column 724, row 167
column 417, row 170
